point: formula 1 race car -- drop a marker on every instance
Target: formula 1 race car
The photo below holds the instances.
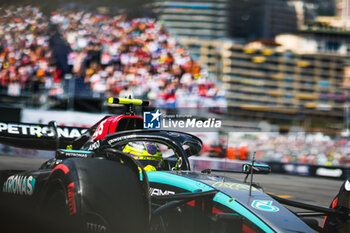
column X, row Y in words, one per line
column 93, row 185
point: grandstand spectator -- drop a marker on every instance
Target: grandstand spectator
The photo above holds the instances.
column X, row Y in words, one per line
column 315, row 149
column 114, row 55
column 26, row 61
column 138, row 57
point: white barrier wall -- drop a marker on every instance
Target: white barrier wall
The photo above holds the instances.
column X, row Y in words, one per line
column 79, row 119
column 202, row 163
column 14, row 151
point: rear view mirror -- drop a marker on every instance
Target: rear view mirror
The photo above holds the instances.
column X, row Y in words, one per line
column 257, row 168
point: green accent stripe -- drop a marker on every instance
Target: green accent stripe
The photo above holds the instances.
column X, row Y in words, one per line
column 141, row 175
column 234, row 205
column 259, row 165
column 78, row 151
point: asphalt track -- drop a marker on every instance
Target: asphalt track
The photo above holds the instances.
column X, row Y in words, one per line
column 316, row 191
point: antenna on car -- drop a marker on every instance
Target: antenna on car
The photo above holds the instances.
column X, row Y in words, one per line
column 251, row 175
column 130, row 108
column 129, row 103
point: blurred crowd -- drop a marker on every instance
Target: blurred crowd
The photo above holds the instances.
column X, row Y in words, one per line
column 138, row 57
column 113, row 55
column 314, row 149
column 26, row 60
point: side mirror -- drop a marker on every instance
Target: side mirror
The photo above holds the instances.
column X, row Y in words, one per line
column 257, row 168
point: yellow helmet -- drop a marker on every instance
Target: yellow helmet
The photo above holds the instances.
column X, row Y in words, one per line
column 147, row 153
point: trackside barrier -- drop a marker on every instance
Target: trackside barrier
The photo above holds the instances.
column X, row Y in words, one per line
column 81, row 119
column 310, row 170
column 337, row 172
column 201, row 163
column 22, row 152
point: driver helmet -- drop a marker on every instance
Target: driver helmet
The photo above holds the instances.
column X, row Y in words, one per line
column 147, row 153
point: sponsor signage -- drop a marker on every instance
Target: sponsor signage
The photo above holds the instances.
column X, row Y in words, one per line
column 299, row 169
column 22, row 185
column 118, row 139
column 159, row 192
column 264, row 205
column 233, row 186
column 94, row 227
column 40, row 130
column 62, row 154
column 329, row 172
column 94, row 146
column 71, row 199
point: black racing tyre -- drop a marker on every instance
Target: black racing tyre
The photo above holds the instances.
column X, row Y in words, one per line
column 96, row 195
column 56, row 209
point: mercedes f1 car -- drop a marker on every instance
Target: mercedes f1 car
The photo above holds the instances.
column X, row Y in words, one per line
column 93, row 186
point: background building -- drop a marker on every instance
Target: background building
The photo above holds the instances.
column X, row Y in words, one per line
column 342, row 8
column 262, row 18
column 195, row 18
column 247, row 19
column 266, row 80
